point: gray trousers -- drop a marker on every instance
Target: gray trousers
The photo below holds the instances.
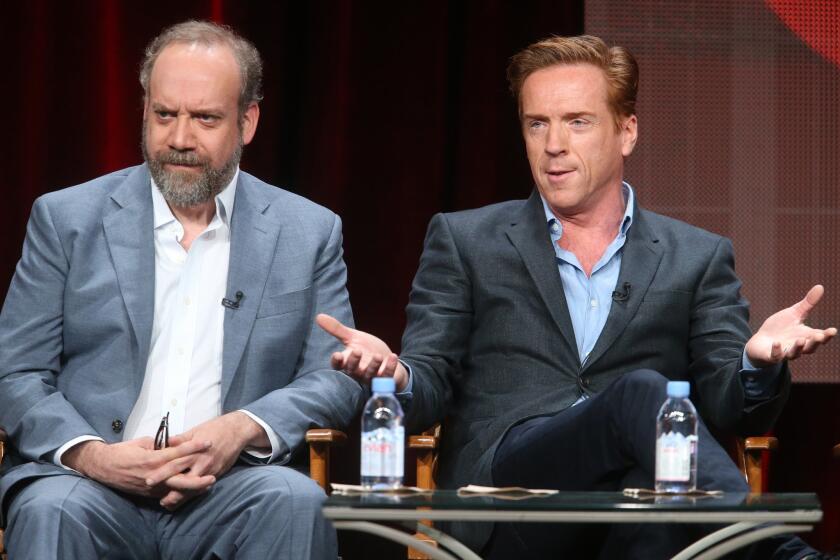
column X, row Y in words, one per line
column 252, row 512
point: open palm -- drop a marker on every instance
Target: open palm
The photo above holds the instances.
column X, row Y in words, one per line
column 785, row 336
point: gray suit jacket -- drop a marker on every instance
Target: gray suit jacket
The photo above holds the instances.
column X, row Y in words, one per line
column 490, row 341
column 76, row 325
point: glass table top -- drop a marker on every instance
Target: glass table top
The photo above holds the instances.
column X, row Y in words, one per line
column 580, row 501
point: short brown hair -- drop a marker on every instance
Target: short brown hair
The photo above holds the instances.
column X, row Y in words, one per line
column 207, row 33
column 619, row 66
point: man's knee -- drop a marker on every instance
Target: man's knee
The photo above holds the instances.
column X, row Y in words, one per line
column 49, row 498
column 280, row 484
column 645, row 379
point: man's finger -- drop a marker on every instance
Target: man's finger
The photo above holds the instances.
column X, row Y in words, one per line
column 190, row 482
column 180, row 439
column 334, row 327
column 796, row 349
column 389, row 366
column 182, row 450
column 351, row 363
column 169, row 469
column 811, row 299
column 371, row 366
column 337, row 360
column 172, row 500
column 777, row 353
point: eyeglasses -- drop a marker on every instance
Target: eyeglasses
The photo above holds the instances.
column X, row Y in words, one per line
column 162, row 436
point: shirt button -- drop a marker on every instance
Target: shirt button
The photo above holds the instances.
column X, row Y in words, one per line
column 186, row 301
column 593, row 302
column 584, row 381
column 117, row 426
column 174, row 402
column 180, row 351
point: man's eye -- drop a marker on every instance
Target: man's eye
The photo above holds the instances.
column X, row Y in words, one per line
column 535, row 125
column 207, row 119
column 579, row 123
column 164, row 114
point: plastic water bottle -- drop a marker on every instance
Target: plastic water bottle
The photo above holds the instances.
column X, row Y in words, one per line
column 383, row 437
column 676, row 441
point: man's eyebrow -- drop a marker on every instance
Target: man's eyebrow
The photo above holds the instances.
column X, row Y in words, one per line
column 566, row 116
column 217, row 111
column 578, row 114
column 157, row 106
column 534, row 116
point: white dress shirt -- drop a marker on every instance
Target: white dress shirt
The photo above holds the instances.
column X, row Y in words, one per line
column 184, row 370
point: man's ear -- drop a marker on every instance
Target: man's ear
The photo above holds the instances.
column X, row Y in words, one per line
column 250, row 118
column 629, row 134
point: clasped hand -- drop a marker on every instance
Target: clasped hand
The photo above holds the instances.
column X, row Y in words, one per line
column 187, row 468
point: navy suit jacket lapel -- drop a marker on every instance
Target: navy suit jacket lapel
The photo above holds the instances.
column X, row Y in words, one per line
column 129, row 232
column 529, row 234
column 640, row 259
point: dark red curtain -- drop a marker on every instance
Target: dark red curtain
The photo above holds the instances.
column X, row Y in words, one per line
column 385, row 112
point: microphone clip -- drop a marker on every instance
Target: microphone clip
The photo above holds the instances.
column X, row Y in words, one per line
column 233, row 304
column 623, row 294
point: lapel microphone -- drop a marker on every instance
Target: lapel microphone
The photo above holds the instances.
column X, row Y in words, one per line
column 234, row 304
column 617, row 295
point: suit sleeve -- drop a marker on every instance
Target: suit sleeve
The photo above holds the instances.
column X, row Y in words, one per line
column 36, row 415
column 439, row 323
column 318, row 396
column 719, row 331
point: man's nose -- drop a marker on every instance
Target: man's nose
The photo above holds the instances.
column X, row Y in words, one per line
column 557, row 140
column 181, row 137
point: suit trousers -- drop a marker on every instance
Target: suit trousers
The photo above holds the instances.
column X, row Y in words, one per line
column 605, row 443
column 252, row 512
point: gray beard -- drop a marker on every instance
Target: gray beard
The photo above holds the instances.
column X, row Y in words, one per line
column 185, row 189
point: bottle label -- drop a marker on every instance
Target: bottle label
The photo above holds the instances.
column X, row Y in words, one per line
column 673, row 457
column 383, row 452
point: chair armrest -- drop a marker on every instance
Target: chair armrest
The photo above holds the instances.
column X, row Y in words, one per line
column 750, row 451
column 761, row 443
column 3, row 439
column 426, row 445
column 320, row 441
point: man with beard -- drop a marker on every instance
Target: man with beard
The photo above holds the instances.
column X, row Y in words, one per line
column 159, row 363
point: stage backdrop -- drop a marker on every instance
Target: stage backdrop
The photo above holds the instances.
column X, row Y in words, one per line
column 388, row 112
column 739, row 119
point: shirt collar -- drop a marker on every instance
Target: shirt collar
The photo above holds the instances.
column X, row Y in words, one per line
column 556, row 228
column 224, row 203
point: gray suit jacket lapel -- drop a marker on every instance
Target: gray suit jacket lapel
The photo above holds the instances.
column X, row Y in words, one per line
column 639, row 261
column 529, row 234
column 129, row 232
column 252, row 249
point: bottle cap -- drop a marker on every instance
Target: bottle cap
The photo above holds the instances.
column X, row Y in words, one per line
column 678, row 389
column 383, row 385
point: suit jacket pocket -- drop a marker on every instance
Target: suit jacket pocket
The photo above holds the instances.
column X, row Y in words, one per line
column 280, row 304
